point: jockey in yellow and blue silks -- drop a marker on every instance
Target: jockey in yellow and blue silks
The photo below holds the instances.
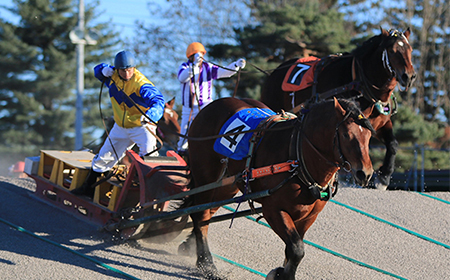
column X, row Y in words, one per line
column 138, row 88
column 125, row 82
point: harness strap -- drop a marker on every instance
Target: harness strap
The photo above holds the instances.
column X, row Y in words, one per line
column 319, row 192
column 359, row 83
column 262, row 126
column 354, row 85
column 353, row 69
column 247, row 174
column 273, row 169
column 325, row 61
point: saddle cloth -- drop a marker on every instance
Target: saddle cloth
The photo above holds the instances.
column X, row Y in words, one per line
column 300, row 75
column 236, row 146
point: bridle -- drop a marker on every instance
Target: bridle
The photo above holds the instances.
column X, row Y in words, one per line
column 360, row 82
column 379, row 104
column 319, row 192
column 387, row 64
column 337, row 143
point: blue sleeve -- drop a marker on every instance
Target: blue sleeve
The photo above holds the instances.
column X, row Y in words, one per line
column 98, row 72
column 154, row 100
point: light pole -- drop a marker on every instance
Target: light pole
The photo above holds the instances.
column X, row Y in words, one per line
column 79, row 37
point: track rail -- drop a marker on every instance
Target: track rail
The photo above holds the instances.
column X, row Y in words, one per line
column 418, row 235
column 391, row 224
column 330, row 251
column 433, row 197
column 21, row 229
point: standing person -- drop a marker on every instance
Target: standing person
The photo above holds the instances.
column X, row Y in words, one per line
column 195, row 76
column 131, row 94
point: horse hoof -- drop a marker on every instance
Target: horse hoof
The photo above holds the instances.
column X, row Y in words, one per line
column 379, row 185
column 275, row 274
column 210, row 273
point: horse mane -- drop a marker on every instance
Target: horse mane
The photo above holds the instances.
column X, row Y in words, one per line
column 381, row 40
column 369, row 46
column 355, row 112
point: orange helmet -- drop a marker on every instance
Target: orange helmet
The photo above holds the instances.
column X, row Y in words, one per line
column 194, row 48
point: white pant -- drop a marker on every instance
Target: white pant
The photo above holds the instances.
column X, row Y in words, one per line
column 120, row 140
column 187, row 116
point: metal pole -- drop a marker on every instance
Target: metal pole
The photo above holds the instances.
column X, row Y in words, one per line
column 415, row 168
column 422, row 176
column 80, row 81
column 184, row 211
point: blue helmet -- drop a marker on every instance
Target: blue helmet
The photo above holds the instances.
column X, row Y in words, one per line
column 124, row 60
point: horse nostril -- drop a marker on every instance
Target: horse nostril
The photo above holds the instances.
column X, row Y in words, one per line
column 362, row 178
column 405, row 77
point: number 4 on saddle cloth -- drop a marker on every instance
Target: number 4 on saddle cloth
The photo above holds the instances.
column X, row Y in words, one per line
column 300, row 75
column 236, row 146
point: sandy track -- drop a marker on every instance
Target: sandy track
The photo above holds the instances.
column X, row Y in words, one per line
column 339, row 229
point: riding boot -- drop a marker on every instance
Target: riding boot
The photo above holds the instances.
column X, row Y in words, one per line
column 86, row 188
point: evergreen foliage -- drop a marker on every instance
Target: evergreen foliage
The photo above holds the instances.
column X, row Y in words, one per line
column 283, row 31
column 38, row 75
column 38, row 61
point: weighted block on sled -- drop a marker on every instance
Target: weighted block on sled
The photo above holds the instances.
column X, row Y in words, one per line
column 107, row 194
column 65, row 168
column 72, row 174
column 48, row 166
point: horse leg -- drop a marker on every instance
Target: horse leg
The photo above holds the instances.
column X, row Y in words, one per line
column 284, row 227
column 204, row 257
column 384, row 173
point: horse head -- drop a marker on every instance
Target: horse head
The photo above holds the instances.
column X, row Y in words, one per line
column 347, row 146
column 396, row 56
column 353, row 135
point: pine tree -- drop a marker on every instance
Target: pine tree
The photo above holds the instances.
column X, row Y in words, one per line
column 38, row 75
column 284, row 31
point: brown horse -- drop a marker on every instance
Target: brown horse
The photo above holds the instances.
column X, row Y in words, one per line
column 332, row 135
column 368, row 75
column 168, row 127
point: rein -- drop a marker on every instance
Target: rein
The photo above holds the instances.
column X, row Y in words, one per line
column 318, row 191
column 296, row 167
column 151, row 132
column 238, row 75
column 336, row 139
column 103, row 120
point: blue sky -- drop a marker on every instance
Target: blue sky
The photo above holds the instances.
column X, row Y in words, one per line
column 122, row 14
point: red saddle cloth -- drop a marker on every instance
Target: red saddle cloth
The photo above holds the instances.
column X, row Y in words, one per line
column 301, row 74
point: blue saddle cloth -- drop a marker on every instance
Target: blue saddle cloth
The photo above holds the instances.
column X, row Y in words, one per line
column 237, row 146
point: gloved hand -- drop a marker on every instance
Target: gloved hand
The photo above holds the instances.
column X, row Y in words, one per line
column 144, row 120
column 198, row 58
column 186, row 74
column 108, row 71
column 240, row 63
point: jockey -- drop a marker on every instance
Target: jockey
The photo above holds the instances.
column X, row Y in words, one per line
column 195, row 76
column 131, row 93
